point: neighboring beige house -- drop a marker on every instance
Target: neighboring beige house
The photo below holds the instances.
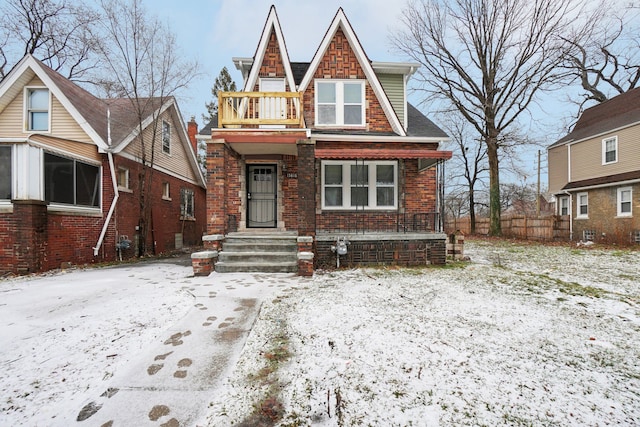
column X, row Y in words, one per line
column 71, row 175
column 594, row 172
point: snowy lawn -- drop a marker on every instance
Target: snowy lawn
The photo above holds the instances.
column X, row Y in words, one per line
column 522, row 335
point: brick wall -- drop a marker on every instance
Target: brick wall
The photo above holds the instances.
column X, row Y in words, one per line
column 340, row 62
column 603, row 211
column 379, row 251
column 307, row 189
column 35, row 239
column 290, row 184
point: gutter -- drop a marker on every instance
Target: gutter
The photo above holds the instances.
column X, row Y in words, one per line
column 116, row 194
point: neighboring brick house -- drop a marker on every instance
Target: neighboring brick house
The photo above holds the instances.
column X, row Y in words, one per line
column 326, row 150
column 594, row 172
column 70, row 169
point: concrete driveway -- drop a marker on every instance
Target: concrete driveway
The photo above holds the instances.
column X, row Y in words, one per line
column 172, row 375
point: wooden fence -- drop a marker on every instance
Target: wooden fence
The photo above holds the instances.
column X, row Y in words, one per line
column 546, row 228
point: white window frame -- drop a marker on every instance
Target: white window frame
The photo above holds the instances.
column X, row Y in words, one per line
column 57, row 205
column 11, row 175
column 613, row 139
column 166, row 191
column 28, row 126
column 580, row 215
column 187, row 203
column 123, row 185
column 166, row 137
column 340, row 103
column 620, row 192
column 372, row 184
column 563, row 204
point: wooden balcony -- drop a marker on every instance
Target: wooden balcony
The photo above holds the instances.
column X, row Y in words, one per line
column 260, row 110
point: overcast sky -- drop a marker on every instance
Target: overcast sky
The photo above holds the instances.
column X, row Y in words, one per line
column 214, row 31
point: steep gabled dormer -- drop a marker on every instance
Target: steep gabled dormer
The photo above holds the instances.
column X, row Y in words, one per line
column 270, row 62
column 341, row 89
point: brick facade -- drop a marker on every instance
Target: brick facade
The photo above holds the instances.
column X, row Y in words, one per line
column 603, row 217
column 341, row 62
column 373, row 252
column 36, row 238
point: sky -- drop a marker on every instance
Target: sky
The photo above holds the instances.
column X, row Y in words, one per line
column 215, row 31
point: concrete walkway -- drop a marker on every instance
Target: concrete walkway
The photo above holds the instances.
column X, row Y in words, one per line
column 173, row 381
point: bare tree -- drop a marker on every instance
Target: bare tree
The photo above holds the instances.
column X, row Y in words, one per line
column 605, row 54
column 489, row 58
column 144, row 67
column 469, row 168
column 58, row 32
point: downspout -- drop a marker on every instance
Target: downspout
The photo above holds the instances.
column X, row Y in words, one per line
column 570, row 215
column 114, row 182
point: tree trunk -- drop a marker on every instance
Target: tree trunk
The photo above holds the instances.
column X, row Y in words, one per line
column 494, row 184
column 472, row 210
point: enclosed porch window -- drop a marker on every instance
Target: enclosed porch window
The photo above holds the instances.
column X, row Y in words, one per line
column 351, row 185
column 71, row 182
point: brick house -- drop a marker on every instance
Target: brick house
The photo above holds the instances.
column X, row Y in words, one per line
column 328, row 154
column 70, row 171
column 594, row 172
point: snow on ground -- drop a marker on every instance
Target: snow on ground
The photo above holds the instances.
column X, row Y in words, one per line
column 523, row 335
column 64, row 335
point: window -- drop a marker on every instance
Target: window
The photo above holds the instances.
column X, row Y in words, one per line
column 583, row 205
column 165, row 191
column 166, row 137
column 624, row 201
column 339, row 103
column 357, row 185
column 70, row 181
column 5, row 172
column 563, row 206
column 37, row 109
column 610, row 150
column 187, row 203
column 122, row 177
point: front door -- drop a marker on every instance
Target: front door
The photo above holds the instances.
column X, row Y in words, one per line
column 261, row 196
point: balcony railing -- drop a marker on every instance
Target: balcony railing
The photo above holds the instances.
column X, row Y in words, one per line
column 260, row 109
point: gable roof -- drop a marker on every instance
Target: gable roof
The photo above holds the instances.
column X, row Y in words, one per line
column 272, row 24
column 618, row 112
column 87, row 110
column 340, row 21
column 90, row 112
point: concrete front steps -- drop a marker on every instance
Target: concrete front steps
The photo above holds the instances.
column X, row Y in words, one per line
column 266, row 252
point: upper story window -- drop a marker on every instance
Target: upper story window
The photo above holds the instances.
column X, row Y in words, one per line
column 610, row 150
column 5, row 172
column 583, row 205
column 340, row 103
column 624, row 201
column 166, row 137
column 357, row 185
column 71, row 182
column 37, row 109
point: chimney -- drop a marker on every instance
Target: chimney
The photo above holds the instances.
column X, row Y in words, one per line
column 192, row 131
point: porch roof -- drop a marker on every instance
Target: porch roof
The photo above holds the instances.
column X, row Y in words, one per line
column 375, row 153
